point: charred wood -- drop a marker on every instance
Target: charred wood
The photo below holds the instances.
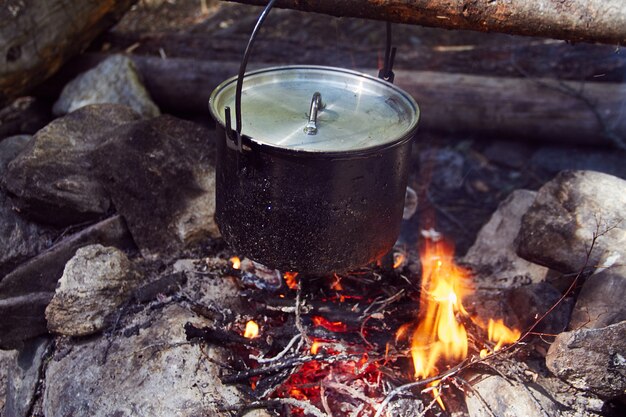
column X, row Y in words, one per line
column 220, row 337
column 601, row 21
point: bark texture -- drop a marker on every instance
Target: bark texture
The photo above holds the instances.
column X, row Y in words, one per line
column 38, row 36
column 601, row 21
column 507, row 107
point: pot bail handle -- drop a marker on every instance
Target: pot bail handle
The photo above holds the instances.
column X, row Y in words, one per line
column 385, row 73
column 236, row 136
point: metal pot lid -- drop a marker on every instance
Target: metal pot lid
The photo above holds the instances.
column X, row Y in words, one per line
column 356, row 111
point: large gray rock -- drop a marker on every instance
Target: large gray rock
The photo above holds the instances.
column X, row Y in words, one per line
column 531, row 302
column 508, row 398
column 161, row 177
column 23, row 378
column 493, row 253
column 26, row 291
column 95, row 282
column 559, row 227
column 114, row 80
column 20, row 239
column 591, row 359
column 7, row 357
column 601, row 300
column 52, row 180
column 11, row 147
column 153, row 371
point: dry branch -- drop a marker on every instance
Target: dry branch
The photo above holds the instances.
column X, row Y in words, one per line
column 38, row 36
column 601, row 21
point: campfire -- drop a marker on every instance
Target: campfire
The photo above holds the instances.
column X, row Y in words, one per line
column 132, row 213
column 372, row 342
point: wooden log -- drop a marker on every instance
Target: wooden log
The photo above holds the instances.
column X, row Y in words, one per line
column 601, row 21
column 38, row 36
column 504, row 107
column 538, row 57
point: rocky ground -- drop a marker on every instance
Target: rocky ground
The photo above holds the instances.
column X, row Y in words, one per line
column 109, row 245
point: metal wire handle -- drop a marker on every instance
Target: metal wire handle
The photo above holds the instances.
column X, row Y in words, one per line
column 385, row 73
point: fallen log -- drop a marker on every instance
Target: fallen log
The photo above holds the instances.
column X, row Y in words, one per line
column 38, row 36
column 538, row 57
column 601, row 21
column 505, row 107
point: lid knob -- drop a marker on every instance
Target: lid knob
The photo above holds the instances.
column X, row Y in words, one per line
column 316, row 105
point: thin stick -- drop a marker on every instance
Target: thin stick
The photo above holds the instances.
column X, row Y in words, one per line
column 281, row 353
column 299, row 324
column 415, row 384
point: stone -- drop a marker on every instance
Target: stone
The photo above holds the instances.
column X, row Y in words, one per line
column 600, row 302
column 11, row 147
column 20, row 239
column 7, row 357
column 445, row 168
column 114, row 80
column 591, row 359
column 151, row 372
column 161, row 177
column 553, row 158
column 530, row 302
column 493, row 253
column 559, row 227
column 508, row 398
column 52, row 179
column 26, row 291
column 95, row 283
column 24, row 377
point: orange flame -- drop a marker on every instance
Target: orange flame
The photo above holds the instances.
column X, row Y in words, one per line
column 398, row 260
column 236, row 262
column 502, row 335
column 252, row 330
column 438, row 334
column 290, row 280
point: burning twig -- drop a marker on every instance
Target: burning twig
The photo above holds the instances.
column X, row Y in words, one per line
column 299, row 325
column 282, row 353
column 286, row 363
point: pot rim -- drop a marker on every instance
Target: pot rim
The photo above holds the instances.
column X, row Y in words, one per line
column 250, row 144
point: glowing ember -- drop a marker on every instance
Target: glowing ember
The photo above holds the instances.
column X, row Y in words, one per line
column 252, row 330
column 290, row 280
column 236, row 262
column 336, row 285
column 333, row 326
column 315, row 347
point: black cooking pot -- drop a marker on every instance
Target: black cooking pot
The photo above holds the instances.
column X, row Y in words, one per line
column 313, row 180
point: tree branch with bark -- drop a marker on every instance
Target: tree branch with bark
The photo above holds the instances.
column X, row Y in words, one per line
column 602, row 21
